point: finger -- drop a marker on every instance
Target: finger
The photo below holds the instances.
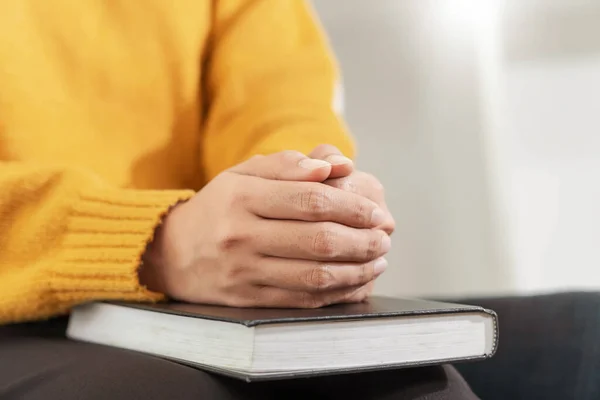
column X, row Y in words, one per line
column 317, row 300
column 361, row 294
column 274, row 297
column 285, row 165
column 320, row 241
column 313, row 276
column 310, row 201
column 340, row 165
column 367, row 186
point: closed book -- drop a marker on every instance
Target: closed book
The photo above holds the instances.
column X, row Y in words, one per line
column 263, row 344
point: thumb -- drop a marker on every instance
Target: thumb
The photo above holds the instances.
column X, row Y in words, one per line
column 341, row 166
column 285, row 166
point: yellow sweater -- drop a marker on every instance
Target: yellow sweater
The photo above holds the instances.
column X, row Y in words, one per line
column 112, row 111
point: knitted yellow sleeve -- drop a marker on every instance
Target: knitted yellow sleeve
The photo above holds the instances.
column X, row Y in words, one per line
column 66, row 238
column 271, row 83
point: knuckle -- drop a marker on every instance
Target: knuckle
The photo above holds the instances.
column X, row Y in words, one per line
column 360, row 275
column 349, row 186
column 372, row 247
column 315, row 202
column 290, row 156
column 239, row 198
column 325, row 148
column 229, row 242
column 324, row 242
column 345, row 184
column 234, row 272
column 365, row 273
column 236, row 190
column 231, row 239
column 361, row 215
column 321, row 278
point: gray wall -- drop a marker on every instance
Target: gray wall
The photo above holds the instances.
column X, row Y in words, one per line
column 413, row 102
column 482, row 119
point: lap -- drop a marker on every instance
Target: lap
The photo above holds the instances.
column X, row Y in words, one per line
column 548, row 348
column 34, row 366
column 38, row 362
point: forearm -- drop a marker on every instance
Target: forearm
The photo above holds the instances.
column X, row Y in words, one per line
column 272, row 84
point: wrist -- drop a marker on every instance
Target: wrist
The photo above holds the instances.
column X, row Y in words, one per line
column 149, row 271
column 154, row 260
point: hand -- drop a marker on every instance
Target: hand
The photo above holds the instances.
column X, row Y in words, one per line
column 344, row 176
column 267, row 233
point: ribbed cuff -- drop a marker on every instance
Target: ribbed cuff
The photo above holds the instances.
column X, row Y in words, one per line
column 106, row 236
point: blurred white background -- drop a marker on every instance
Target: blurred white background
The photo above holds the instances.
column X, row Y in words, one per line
column 482, row 119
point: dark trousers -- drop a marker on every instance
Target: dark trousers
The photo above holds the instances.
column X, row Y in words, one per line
column 549, row 349
column 38, row 362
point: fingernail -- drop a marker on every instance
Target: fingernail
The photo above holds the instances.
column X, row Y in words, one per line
column 312, row 163
column 337, row 159
column 377, row 217
column 380, row 265
column 386, row 243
